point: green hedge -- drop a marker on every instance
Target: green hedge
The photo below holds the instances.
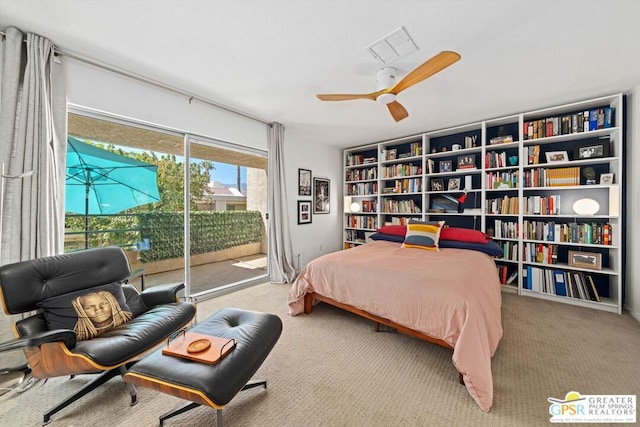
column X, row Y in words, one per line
column 210, row 232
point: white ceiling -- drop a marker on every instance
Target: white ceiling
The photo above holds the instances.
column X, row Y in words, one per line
column 269, row 58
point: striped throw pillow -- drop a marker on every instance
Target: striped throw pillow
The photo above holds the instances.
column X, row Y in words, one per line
column 423, row 235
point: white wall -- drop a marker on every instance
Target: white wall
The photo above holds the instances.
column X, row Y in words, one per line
column 324, row 234
column 632, row 229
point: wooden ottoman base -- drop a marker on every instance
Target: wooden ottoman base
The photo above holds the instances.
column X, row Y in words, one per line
column 213, row 385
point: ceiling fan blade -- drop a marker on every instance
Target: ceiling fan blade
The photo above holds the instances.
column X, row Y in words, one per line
column 427, row 69
column 348, row 96
column 398, row 112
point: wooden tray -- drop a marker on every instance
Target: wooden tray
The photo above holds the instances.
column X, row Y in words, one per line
column 187, row 344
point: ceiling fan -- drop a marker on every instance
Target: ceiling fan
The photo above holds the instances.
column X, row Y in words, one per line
column 387, row 89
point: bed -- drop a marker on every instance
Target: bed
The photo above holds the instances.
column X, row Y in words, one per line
column 450, row 297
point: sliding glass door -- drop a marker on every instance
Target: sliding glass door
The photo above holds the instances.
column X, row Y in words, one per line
column 210, row 214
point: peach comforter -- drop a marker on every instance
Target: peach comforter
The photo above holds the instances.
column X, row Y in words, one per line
column 453, row 295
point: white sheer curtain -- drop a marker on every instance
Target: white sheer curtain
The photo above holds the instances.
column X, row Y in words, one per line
column 33, row 131
column 33, row 117
column 280, row 252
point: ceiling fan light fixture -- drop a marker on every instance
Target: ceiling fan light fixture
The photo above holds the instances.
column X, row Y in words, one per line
column 386, row 98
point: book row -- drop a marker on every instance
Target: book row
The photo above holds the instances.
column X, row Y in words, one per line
column 408, row 185
column 401, row 170
column 557, row 177
column 540, row 253
column 578, row 122
column 361, row 174
column 362, row 189
column 361, row 221
column 562, row 283
column 400, row 206
column 586, row 233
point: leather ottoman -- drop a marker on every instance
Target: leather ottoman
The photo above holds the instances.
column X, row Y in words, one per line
column 212, row 385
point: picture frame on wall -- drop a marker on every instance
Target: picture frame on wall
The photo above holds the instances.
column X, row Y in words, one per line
column 321, row 196
column 304, row 182
column 304, row 211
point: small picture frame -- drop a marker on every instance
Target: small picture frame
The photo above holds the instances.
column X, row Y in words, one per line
column 468, row 161
column 304, row 182
column 591, row 151
column 304, row 211
column 557, row 156
column 446, row 166
column 453, row 184
column 437, row 185
column 392, row 154
column 590, row 260
column 606, row 178
column 321, row 196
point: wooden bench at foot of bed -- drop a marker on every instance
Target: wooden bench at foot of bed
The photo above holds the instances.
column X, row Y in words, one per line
column 308, row 307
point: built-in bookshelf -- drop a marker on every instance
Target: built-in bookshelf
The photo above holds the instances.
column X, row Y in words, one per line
column 548, row 185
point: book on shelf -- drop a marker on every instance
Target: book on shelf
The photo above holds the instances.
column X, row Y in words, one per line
column 198, row 347
column 501, row 139
column 559, row 282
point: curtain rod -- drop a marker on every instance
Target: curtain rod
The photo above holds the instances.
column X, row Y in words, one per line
column 128, row 74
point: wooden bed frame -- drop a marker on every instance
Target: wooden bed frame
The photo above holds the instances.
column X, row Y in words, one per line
column 308, row 308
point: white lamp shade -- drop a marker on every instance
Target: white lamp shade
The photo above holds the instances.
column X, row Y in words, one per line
column 355, row 207
column 586, row 206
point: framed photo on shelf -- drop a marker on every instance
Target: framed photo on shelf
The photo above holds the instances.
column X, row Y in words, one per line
column 606, row 178
column 591, row 151
column 468, row 161
column 446, row 166
column 392, row 154
column 321, row 195
column 453, row 184
column 437, row 185
column 304, row 211
column 591, row 260
column 557, row 156
column 304, row 182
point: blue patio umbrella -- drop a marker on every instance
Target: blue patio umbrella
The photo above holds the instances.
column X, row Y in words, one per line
column 102, row 182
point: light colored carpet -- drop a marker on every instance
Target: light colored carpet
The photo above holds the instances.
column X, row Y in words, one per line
column 331, row 369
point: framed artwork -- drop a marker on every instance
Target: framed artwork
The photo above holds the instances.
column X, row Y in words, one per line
column 557, row 156
column 304, row 211
column 446, row 166
column 437, row 185
column 304, row 182
column 606, row 178
column 591, row 151
column 454, row 184
column 321, row 195
column 591, row 260
column 392, row 154
column 468, row 161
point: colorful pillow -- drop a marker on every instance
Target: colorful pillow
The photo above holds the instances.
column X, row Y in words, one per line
column 464, row 235
column 489, row 248
column 88, row 312
column 423, row 235
column 396, row 230
column 387, row 237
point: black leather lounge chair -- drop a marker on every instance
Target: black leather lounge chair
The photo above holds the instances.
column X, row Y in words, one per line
column 109, row 333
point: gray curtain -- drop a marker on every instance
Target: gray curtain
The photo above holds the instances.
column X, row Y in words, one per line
column 33, row 130
column 33, row 118
column 280, row 252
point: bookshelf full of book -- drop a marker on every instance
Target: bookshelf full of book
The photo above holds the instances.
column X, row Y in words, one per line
column 547, row 185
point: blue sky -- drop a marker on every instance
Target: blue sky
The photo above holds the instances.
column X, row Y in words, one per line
column 226, row 173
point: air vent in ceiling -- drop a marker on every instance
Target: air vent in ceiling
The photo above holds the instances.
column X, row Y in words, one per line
column 392, row 46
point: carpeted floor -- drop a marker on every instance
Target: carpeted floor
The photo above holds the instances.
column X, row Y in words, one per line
column 331, row 369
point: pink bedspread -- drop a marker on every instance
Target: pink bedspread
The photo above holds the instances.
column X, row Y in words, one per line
column 453, row 295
